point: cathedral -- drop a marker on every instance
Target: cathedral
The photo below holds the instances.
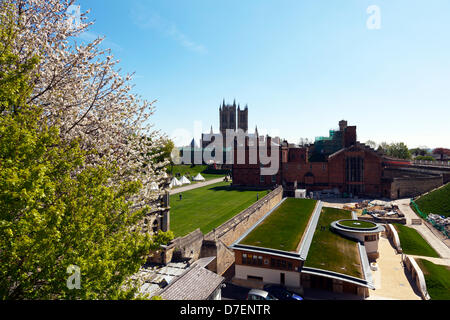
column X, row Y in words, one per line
column 228, row 118
column 231, row 117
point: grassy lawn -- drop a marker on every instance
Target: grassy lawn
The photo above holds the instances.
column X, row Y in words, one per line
column 437, row 202
column 329, row 251
column 412, row 242
column 208, row 207
column 284, row 228
column 357, row 224
column 437, row 278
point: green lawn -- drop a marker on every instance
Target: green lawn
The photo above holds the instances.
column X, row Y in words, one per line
column 284, row 228
column 437, row 202
column 437, row 278
column 412, row 242
column 208, row 207
column 358, row 224
column 329, row 251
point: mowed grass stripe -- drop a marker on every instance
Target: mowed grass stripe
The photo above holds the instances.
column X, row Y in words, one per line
column 284, row 228
column 412, row 242
column 329, row 251
column 208, row 207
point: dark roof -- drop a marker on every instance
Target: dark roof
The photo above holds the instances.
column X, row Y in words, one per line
column 197, row 283
column 357, row 146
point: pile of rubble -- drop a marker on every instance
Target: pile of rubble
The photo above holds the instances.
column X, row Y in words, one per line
column 439, row 221
column 378, row 208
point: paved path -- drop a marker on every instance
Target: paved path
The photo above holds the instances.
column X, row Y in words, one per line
column 437, row 244
column 390, row 280
column 195, row 186
column 443, row 262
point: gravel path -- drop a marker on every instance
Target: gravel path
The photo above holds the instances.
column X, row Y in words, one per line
column 195, row 186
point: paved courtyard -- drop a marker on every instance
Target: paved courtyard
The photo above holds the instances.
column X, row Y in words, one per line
column 390, row 280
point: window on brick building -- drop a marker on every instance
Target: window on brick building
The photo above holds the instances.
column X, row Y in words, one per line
column 274, row 179
column 261, row 179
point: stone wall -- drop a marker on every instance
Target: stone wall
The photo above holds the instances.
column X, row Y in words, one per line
column 215, row 244
column 414, row 186
column 392, row 235
column 187, row 248
column 234, row 228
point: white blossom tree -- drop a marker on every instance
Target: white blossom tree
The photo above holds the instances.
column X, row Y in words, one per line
column 81, row 89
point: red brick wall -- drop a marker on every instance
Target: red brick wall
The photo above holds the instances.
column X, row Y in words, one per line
column 324, row 175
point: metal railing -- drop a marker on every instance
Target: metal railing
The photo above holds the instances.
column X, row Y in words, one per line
column 431, row 221
column 435, row 163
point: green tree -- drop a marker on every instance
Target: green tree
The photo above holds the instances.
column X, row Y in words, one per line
column 371, row 144
column 427, row 158
column 54, row 211
column 398, row 150
column 420, row 152
column 383, row 147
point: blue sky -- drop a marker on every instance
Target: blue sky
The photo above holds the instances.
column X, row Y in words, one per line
column 301, row 66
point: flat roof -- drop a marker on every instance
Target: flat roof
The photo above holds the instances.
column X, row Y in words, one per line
column 284, row 228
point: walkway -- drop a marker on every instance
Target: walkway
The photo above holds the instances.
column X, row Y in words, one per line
column 390, row 280
column 441, row 248
column 443, row 262
column 196, row 185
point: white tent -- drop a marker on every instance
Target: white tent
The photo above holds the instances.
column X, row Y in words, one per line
column 199, row 177
column 154, row 186
column 175, row 183
column 185, row 180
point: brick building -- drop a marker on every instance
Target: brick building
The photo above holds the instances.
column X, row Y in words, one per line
column 339, row 164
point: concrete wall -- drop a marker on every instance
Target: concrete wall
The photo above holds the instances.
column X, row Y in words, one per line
column 392, row 235
column 417, row 275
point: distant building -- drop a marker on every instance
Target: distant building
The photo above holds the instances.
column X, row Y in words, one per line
column 340, row 164
column 232, row 119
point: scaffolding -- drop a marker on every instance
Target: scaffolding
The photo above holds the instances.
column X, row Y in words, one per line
column 329, row 145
